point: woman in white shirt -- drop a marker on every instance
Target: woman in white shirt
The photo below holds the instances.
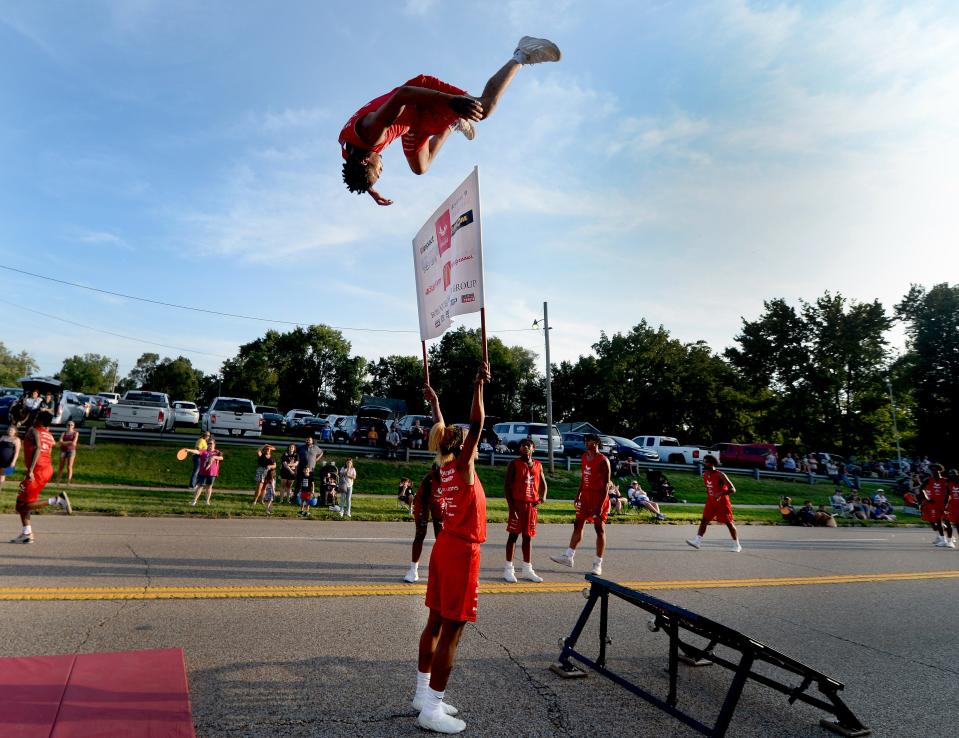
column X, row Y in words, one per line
column 347, row 477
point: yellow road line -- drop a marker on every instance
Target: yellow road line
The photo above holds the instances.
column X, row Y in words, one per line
column 379, row 590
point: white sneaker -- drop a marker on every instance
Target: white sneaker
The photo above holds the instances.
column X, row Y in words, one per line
column 597, row 568
column 440, row 722
column 563, row 559
column 412, row 575
column 736, row 547
column 447, row 708
column 530, row 575
column 693, row 542
column 941, row 543
column 466, row 127
column 64, row 502
column 532, row 50
column 341, row 513
column 23, row 538
column 950, row 543
column 509, row 574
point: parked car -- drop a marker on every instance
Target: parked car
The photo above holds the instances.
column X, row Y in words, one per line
column 670, row 451
column 5, row 402
column 142, row 410
column 311, row 426
column 185, row 413
column 235, row 416
column 86, row 402
column 367, row 416
column 293, row 418
column 574, row 444
column 343, row 429
column 273, row 423
column 404, row 424
column 744, row 455
column 112, row 397
column 512, row 433
column 14, row 392
column 625, row 449
column 264, row 409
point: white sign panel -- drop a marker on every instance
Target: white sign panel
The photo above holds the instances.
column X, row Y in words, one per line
column 448, row 258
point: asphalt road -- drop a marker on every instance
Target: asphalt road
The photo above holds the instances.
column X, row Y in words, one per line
column 316, row 634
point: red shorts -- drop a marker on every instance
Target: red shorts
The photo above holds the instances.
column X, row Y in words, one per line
column 306, row 496
column 523, row 519
column 934, row 510
column 430, row 119
column 592, row 508
column 720, row 510
column 422, row 514
column 952, row 511
column 453, row 587
column 30, row 489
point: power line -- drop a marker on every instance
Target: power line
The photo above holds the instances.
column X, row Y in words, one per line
column 111, row 333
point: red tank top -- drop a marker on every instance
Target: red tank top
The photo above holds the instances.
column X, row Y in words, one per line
column 463, row 505
column 593, row 477
column 716, row 484
column 936, row 488
column 46, row 445
column 400, row 126
column 526, row 481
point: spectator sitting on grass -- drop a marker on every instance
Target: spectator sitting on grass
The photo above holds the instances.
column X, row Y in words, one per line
column 637, row 497
column 824, row 519
column 615, row 498
column 807, row 515
column 788, row 512
column 501, row 448
column 879, row 513
column 485, row 446
column 840, row 504
column 405, row 493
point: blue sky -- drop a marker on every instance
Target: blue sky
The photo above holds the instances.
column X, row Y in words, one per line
column 683, row 163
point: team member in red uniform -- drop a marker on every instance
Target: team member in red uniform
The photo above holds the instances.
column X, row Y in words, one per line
column 933, row 497
column 426, row 506
column 422, row 112
column 525, row 488
column 453, row 588
column 952, row 504
column 718, row 507
column 37, row 445
column 592, row 504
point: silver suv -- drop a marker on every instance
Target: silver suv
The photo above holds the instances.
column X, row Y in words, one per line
column 512, row 433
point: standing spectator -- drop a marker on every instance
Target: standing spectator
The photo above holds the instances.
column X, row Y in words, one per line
column 718, row 507
column 210, row 460
column 772, row 461
column 269, row 489
column 9, row 453
column 592, row 504
column 68, row 451
column 288, row 464
column 306, row 490
column 812, row 463
column 326, row 433
column 840, row 478
column 933, row 498
column 524, row 488
column 372, row 437
column 925, row 467
column 392, row 442
column 789, row 463
column 636, row 497
column 347, row 477
column 416, row 435
column 307, row 454
column 264, row 463
column 200, row 445
column 832, row 471
column 37, row 445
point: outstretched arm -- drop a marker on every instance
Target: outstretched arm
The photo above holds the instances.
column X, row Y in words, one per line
column 477, row 417
column 434, row 402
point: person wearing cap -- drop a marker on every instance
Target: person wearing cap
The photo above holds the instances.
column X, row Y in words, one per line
column 718, row 507
column 264, row 463
column 37, row 445
column 592, row 504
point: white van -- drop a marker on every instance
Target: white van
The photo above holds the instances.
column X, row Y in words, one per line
column 512, row 433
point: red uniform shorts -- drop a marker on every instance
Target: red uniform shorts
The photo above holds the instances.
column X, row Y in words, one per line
column 453, row 587
column 522, row 519
column 952, row 511
column 592, row 507
column 431, row 119
column 30, row 489
column 934, row 510
column 718, row 509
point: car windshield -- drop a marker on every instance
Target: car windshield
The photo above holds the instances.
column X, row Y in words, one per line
column 144, row 396
column 234, row 406
column 625, row 442
column 537, row 430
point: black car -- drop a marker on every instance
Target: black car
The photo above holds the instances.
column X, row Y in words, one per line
column 404, row 424
column 311, row 426
column 367, row 416
column 625, row 450
column 574, row 444
column 274, row 423
column 5, row 402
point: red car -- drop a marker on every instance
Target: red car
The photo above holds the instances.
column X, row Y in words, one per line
column 744, row 455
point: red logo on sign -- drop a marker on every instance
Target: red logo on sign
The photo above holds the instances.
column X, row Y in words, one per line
column 468, row 297
column 444, row 232
column 447, row 275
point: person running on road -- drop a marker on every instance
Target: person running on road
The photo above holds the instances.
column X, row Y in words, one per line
column 37, row 445
column 934, row 492
column 453, row 588
column 210, row 460
column 423, row 111
column 424, row 506
column 9, row 453
column 718, row 507
column 68, row 451
column 592, row 503
column 525, row 488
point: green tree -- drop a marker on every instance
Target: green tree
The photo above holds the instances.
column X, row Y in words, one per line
column 90, row 373
column 14, row 366
column 141, row 374
column 177, row 378
column 398, row 377
column 931, row 366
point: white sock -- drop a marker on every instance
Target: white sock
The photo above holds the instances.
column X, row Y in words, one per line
column 698, row 538
column 527, row 566
column 509, row 562
column 598, row 560
column 570, row 553
column 433, row 700
column 53, row 500
column 27, row 530
column 414, row 565
column 422, row 683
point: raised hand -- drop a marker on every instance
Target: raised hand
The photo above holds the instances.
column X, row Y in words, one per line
column 467, row 107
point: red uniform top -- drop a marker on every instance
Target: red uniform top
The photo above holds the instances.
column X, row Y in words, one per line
column 526, row 480
column 593, row 482
column 717, row 486
column 400, row 126
column 46, row 446
column 936, row 489
column 953, row 493
column 463, row 505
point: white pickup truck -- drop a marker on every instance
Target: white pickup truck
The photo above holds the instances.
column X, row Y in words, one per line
column 671, row 452
column 141, row 410
column 232, row 416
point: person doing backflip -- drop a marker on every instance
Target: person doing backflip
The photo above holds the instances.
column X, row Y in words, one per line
column 592, row 504
column 718, row 507
column 422, row 112
column 37, row 445
column 525, row 488
column 933, row 496
column 453, row 589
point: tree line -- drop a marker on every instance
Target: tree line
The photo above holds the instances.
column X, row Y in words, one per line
column 815, row 376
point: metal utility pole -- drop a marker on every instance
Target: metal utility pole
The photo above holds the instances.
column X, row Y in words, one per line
column 895, row 428
column 549, row 389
